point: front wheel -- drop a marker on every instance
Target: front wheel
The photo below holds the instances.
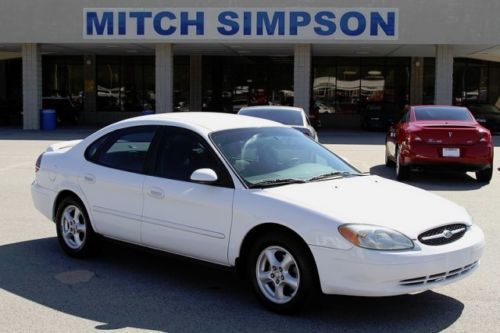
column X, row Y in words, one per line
column 74, row 232
column 484, row 176
column 282, row 272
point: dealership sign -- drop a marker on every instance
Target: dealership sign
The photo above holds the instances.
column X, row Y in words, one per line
column 192, row 24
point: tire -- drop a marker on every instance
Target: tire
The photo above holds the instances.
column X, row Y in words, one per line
column 74, row 231
column 287, row 272
column 484, row 176
column 402, row 171
column 388, row 162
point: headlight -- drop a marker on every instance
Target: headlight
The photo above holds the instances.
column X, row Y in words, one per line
column 375, row 238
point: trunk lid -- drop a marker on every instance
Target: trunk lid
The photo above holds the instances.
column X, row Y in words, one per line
column 448, row 133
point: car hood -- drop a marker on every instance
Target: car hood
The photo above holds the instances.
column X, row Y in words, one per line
column 373, row 200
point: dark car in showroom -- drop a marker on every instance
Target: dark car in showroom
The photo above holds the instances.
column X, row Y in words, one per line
column 379, row 115
column 488, row 115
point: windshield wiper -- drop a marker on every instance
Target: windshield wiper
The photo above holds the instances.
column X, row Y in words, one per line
column 336, row 174
column 277, row 182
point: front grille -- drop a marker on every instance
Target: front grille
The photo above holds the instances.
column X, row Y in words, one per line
column 443, row 235
column 434, row 278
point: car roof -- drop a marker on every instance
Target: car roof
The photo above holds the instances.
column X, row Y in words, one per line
column 205, row 122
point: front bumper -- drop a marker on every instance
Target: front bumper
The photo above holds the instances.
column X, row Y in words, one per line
column 361, row 272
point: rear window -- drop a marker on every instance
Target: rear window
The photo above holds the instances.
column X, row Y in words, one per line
column 459, row 114
column 286, row 117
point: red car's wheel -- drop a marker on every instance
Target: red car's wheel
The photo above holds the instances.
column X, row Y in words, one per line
column 484, row 176
column 402, row 171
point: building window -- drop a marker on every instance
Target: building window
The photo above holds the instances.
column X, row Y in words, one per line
column 350, row 85
column 125, row 83
column 470, row 81
column 62, row 87
column 230, row 83
column 429, row 81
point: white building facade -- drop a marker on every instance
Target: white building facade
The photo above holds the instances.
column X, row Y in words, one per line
column 100, row 61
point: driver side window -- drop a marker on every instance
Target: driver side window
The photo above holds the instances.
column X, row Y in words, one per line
column 181, row 152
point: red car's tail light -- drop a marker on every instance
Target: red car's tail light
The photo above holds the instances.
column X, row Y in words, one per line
column 38, row 162
column 484, row 137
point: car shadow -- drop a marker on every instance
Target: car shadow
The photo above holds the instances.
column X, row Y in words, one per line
column 345, row 137
column 432, row 181
column 129, row 287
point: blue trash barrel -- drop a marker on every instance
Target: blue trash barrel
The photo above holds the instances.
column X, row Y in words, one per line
column 48, row 119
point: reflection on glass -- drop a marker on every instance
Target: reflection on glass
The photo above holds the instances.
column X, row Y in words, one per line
column 350, row 85
column 230, row 83
column 127, row 83
column 348, row 93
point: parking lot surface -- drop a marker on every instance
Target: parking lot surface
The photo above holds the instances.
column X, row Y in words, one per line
column 129, row 289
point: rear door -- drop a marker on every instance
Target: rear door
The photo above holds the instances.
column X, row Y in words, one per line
column 113, row 179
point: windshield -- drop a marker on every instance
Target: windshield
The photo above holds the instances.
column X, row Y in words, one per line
column 277, row 156
column 432, row 113
column 286, row 117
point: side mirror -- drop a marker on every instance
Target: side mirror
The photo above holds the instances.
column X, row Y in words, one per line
column 204, row 176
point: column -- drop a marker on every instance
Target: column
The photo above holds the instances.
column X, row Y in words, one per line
column 164, row 90
column 444, row 75
column 195, row 77
column 302, row 76
column 90, row 90
column 32, row 85
column 417, row 81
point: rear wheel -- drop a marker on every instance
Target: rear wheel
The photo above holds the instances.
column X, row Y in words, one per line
column 402, row 171
column 388, row 162
column 282, row 272
column 484, row 176
column 74, row 232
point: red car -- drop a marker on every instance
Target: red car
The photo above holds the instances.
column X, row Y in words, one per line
column 439, row 137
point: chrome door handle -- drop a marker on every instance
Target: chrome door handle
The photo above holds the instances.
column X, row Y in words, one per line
column 89, row 178
column 156, row 192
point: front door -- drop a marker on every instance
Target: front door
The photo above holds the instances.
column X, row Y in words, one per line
column 182, row 216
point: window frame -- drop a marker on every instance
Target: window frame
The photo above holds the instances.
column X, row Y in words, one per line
column 110, row 138
column 224, row 176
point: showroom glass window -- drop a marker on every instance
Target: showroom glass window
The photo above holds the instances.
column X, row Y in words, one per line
column 124, row 149
column 125, row 83
column 429, row 79
column 349, row 85
column 11, row 95
column 62, row 82
column 230, row 83
column 476, row 81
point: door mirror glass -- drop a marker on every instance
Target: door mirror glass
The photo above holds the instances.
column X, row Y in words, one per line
column 204, row 176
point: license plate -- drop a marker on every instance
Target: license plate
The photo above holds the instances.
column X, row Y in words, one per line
column 451, row 152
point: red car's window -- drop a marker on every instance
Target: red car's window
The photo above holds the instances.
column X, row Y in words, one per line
column 459, row 114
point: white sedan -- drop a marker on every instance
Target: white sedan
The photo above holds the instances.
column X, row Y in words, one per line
column 256, row 195
column 287, row 115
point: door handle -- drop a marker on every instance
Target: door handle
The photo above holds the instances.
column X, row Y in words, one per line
column 156, row 192
column 89, row 178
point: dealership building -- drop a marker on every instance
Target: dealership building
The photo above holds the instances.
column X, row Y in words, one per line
column 96, row 62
